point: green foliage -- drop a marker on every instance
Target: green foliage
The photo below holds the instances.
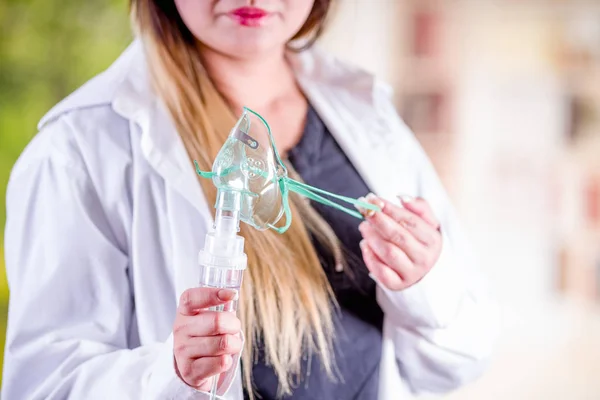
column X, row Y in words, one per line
column 47, row 49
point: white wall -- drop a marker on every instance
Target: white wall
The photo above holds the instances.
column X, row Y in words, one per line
column 512, row 118
column 363, row 32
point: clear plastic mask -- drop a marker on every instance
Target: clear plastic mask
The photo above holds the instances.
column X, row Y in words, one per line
column 249, row 163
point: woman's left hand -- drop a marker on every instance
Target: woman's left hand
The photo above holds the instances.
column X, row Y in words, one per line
column 401, row 244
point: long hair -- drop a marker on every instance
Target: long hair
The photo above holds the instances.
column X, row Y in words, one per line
column 287, row 304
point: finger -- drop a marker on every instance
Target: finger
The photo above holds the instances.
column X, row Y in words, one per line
column 209, row 323
column 196, row 372
column 388, row 221
column 390, row 254
column 195, row 299
column 420, row 207
column 210, row 346
column 382, row 273
column 405, row 244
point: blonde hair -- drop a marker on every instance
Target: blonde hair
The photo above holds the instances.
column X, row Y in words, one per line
column 286, row 299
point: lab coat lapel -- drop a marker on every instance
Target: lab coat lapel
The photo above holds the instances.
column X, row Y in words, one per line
column 160, row 142
column 164, row 150
column 345, row 101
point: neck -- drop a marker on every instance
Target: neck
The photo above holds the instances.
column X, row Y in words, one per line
column 255, row 82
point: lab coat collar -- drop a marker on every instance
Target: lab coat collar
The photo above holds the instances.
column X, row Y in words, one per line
column 124, row 76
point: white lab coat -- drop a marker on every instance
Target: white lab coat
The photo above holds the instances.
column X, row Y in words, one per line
column 106, row 218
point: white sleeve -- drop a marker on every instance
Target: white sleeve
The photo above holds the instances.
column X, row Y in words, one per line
column 71, row 306
column 444, row 327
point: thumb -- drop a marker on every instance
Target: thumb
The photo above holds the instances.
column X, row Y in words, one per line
column 195, row 299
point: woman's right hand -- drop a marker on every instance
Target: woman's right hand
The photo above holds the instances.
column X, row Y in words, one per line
column 204, row 341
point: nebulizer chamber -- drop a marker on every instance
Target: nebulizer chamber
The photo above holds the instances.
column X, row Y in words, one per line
column 223, row 261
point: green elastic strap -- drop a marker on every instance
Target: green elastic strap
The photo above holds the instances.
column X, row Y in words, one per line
column 286, row 184
column 203, row 174
column 286, row 208
column 312, row 193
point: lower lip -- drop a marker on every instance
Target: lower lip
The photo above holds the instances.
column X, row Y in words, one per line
column 251, row 20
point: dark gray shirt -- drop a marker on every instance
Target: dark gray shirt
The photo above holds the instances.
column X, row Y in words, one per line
column 321, row 162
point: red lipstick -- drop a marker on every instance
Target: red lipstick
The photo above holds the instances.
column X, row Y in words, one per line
column 249, row 16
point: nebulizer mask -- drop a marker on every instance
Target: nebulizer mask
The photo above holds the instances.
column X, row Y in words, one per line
column 252, row 186
column 249, row 164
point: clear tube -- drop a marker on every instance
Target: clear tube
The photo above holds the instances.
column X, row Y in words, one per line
column 223, row 261
column 222, row 278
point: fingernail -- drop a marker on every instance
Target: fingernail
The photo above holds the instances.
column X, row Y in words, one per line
column 373, row 199
column 406, row 198
column 227, row 294
column 359, row 208
column 365, row 212
column 362, row 244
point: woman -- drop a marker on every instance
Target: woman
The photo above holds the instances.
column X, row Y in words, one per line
column 106, row 217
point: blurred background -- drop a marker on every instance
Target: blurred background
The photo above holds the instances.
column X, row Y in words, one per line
column 503, row 95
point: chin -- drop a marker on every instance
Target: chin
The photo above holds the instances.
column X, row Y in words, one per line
column 249, row 48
